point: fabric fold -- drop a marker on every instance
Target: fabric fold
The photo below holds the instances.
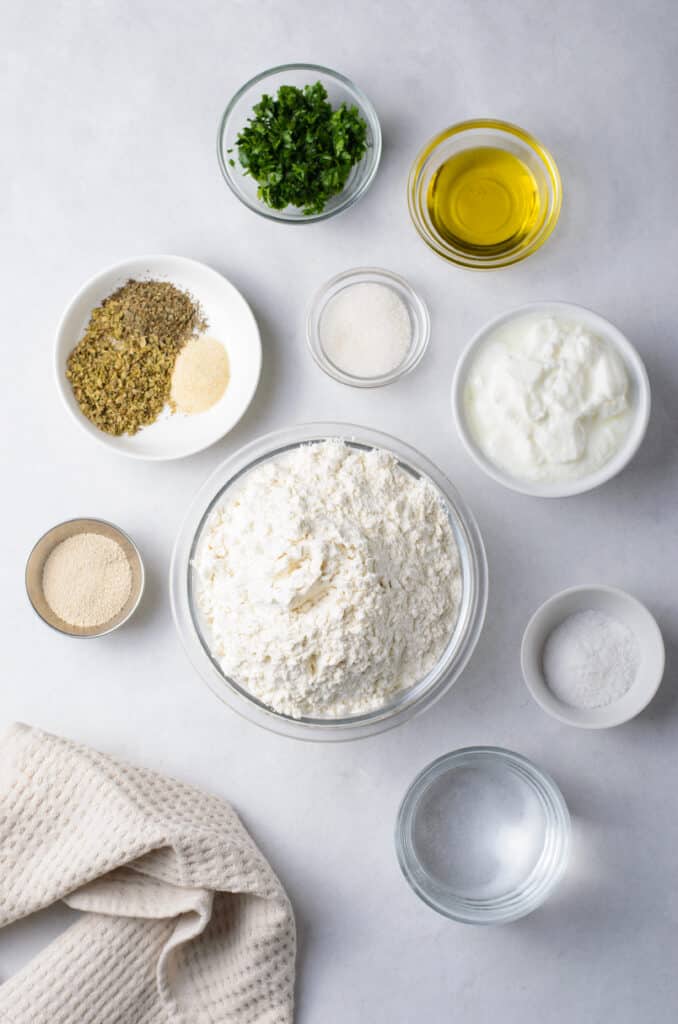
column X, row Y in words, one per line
column 183, row 919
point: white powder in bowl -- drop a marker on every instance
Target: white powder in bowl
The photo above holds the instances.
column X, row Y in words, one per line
column 200, row 375
column 329, row 581
column 365, row 330
column 590, row 660
column 87, row 579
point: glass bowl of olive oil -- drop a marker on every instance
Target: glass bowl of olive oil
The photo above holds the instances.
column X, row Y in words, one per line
column 484, row 194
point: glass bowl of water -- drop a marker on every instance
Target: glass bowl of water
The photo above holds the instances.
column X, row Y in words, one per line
column 483, row 835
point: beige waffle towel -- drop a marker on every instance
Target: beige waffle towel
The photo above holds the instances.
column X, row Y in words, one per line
column 184, row 921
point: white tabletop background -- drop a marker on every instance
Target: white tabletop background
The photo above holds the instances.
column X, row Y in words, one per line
column 109, row 114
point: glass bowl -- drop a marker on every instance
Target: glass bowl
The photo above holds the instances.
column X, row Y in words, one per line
column 420, row 324
column 408, row 703
column 483, row 835
column 501, row 135
column 339, row 90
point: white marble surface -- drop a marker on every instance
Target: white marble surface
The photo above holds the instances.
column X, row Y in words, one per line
column 109, row 116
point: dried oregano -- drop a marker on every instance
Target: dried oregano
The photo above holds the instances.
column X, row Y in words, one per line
column 121, row 369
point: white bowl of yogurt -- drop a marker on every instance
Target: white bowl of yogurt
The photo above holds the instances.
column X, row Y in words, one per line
column 551, row 399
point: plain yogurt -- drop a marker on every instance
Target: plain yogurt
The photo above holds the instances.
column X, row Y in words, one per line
column 546, row 399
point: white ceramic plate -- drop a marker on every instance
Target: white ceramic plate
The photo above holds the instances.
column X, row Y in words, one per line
column 618, row 605
column 230, row 321
column 639, row 395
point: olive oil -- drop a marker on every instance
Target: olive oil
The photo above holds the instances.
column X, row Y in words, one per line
column 485, row 200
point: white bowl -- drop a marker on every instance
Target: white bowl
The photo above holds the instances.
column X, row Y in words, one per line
column 230, row 320
column 639, row 394
column 618, row 605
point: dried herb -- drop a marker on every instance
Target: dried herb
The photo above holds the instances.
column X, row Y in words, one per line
column 121, row 369
column 298, row 149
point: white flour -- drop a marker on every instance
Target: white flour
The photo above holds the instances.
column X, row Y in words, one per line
column 590, row 660
column 329, row 581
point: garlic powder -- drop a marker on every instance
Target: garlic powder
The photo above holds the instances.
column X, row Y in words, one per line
column 329, row 581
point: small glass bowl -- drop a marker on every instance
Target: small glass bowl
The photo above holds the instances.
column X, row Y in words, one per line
column 418, row 697
column 420, row 323
column 501, row 135
column 41, row 552
column 483, row 835
column 339, row 90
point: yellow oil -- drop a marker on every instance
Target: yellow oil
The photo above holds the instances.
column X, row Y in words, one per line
column 485, row 200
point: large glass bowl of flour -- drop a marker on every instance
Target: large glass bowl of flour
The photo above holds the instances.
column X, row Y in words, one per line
column 194, row 631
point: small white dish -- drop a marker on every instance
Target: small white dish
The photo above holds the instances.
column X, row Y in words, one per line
column 230, row 321
column 618, row 605
column 639, row 394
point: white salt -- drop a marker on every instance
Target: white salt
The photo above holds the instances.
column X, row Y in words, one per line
column 590, row 660
column 365, row 330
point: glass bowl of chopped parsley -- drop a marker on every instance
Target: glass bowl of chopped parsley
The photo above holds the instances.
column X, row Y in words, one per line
column 299, row 143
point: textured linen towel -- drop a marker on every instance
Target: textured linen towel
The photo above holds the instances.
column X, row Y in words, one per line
column 184, row 921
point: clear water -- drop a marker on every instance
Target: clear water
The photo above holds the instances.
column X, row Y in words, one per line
column 479, row 830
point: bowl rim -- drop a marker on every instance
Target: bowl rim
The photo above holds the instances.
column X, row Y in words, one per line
column 453, row 660
column 368, row 111
column 119, row 267
column 532, row 645
column 505, row 128
column 142, row 577
column 635, row 368
column 483, row 912
column 319, row 301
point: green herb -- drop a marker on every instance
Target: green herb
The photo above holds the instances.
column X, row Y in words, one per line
column 298, row 149
column 121, row 369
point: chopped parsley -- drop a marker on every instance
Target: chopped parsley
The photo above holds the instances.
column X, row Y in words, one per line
column 298, row 149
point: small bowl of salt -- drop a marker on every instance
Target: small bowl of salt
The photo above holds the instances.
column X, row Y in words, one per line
column 593, row 656
column 367, row 327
